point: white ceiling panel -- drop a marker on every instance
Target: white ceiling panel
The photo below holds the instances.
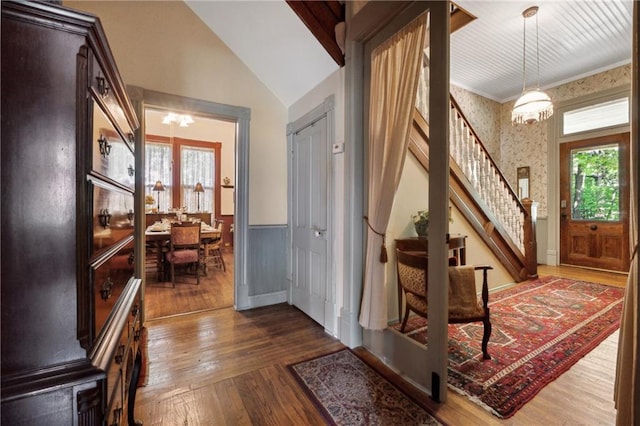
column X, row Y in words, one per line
column 576, row 38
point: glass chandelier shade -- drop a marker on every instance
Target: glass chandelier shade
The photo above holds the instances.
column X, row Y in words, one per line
column 532, row 106
column 183, row 120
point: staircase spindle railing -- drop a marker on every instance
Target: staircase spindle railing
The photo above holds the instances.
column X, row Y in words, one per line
column 485, row 176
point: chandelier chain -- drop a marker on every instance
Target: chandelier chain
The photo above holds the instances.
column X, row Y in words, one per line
column 524, row 55
column 537, row 54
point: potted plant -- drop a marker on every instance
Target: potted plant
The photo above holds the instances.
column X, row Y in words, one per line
column 421, row 222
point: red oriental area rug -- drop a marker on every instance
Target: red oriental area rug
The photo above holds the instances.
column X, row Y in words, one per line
column 540, row 329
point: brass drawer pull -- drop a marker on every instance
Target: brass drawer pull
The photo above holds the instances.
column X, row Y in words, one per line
column 104, row 145
column 105, row 292
column 104, row 217
column 103, row 87
column 119, row 354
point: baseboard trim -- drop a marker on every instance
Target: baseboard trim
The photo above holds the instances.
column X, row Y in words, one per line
column 267, row 299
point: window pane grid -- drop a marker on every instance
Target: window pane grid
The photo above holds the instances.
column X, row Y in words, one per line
column 197, row 165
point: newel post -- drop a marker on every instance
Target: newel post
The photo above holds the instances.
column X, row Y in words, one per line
column 530, row 244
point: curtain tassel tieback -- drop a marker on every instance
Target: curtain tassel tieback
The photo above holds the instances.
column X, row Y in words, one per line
column 383, row 248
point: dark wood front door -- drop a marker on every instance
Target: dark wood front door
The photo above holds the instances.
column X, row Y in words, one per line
column 594, row 202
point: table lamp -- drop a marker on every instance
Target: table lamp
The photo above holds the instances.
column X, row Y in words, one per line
column 198, row 189
column 158, row 187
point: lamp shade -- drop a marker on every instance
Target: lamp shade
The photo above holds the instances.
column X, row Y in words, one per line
column 198, row 188
column 158, row 186
column 531, row 107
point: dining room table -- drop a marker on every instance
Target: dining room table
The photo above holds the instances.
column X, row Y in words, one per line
column 158, row 234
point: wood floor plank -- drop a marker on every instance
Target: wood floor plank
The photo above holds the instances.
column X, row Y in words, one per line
column 222, row 367
column 215, row 291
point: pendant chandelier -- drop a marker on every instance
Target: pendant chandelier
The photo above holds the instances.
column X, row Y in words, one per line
column 183, row 120
column 533, row 105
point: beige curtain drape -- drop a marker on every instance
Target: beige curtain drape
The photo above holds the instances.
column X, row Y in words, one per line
column 627, row 386
column 395, row 70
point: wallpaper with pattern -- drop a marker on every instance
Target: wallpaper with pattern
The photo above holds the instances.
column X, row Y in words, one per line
column 526, row 145
column 484, row 116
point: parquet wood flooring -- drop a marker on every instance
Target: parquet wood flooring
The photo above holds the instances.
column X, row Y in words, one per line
column 222, row 367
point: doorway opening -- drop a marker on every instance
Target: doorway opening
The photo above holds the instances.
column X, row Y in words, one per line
column 188, row 176
column 234, row 188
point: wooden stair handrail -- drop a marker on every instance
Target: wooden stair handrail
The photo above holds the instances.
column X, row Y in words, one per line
column 495, row 166
column 465, row 197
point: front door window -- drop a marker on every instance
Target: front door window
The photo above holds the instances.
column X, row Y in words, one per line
column 595, row 184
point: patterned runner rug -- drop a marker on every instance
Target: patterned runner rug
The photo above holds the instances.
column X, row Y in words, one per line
column 349, row 392
column 540, row 329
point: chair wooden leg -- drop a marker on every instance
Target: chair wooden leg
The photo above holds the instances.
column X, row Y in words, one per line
column 485, row 337
column 404, row 320
column 224, row 267
column 173, row 275
column 198, row 273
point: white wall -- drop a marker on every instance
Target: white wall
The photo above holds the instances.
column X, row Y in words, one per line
column 164, row 46
column 413, row 195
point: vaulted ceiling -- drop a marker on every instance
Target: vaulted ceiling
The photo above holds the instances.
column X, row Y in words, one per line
column 576, row 38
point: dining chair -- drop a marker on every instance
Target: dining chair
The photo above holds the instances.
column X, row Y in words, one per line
column 464, row 305
column 213, row 249
column 184, row 248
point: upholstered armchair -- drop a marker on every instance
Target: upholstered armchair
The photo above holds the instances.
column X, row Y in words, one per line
column 464, row 305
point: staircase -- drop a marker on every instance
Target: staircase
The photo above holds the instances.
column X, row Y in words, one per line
column 482, row 194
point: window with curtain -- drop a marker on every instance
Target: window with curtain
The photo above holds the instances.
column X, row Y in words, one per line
column 180, row 164
column 197, row 165
column 158, row 168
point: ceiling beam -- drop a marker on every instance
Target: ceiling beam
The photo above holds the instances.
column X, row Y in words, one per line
column 321, row 18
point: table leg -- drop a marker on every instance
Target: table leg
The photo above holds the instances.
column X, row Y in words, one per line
column 159, row 264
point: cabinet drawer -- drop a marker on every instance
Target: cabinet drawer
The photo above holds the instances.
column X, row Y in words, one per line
column 112, row 216
column 111, row 156
column 101, row 88
column 109, row 280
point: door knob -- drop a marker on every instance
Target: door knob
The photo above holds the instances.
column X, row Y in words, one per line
column 593, row 227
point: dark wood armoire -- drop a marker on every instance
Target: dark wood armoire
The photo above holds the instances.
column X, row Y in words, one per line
column 71, row 303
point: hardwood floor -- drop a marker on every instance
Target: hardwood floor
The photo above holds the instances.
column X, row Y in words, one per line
column 215, row 290
column 225, row 367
